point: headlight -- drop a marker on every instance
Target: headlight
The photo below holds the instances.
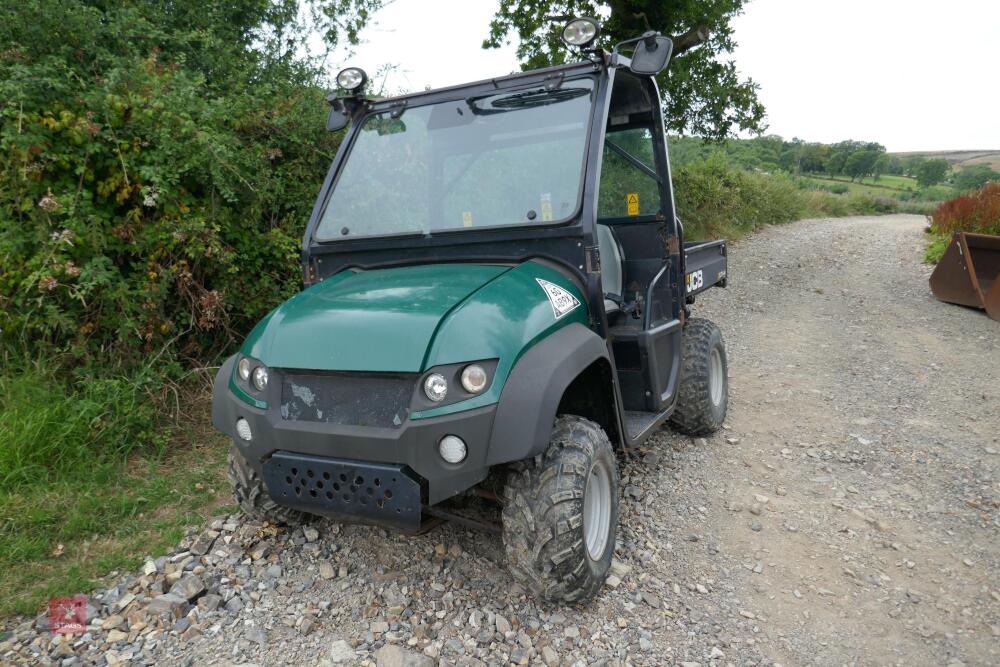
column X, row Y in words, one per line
column 580, row 32
column 436, row 387
column 260, row 378
column 474, row 378
column 352, row 78
column 243, row 368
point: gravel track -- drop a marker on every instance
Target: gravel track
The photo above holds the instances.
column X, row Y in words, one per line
column 847, row 514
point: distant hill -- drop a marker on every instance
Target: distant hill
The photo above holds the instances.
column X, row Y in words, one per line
column 960, row 158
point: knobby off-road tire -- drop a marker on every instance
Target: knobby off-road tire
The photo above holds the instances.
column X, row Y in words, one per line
column 546, row 522
column 252, row 496
column 704, row 382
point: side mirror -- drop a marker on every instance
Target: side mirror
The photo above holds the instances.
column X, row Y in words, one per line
column 651, row 55
column 338, row 118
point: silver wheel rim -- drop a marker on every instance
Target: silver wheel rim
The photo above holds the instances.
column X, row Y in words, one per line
column 715, row 379
column 597, row 510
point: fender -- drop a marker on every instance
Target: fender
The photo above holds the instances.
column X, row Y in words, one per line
column 527, row 408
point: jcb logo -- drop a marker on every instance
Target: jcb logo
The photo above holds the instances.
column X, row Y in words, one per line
column 695, row 280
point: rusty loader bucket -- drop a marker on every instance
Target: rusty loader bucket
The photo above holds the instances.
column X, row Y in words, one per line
column 969, row 273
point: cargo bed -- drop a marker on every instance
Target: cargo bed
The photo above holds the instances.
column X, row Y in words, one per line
column 704, row 266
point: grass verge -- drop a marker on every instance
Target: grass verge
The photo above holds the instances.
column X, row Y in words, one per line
column 90, row 480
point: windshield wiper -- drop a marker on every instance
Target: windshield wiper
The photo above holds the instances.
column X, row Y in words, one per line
column 528, row 99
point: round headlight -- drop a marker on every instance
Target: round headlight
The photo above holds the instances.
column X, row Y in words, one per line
column 243, row 368
column 580, row 32
column 436, row 387
column 260, row 378
column 452, row 449
column 474, row 378
column 351, row 78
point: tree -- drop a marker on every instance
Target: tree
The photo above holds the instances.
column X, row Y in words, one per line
column 974, row 177
column 702, row 91
column 881, row 166
column 860, row 163
column 912, row 164
column 814, row 158
column 932, row 172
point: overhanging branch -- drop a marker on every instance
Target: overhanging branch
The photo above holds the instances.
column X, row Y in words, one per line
column 690, row 39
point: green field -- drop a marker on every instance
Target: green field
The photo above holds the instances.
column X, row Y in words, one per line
column 899, row 187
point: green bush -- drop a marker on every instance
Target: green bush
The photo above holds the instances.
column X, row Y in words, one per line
column 716, row 200
column 153, row 190
column 936, row 248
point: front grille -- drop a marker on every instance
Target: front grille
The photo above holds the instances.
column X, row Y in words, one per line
column 351, row 399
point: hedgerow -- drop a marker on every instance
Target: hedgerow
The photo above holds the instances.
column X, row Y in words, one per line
column 152, row 189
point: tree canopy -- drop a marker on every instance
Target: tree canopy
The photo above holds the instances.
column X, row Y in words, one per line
column 703, row 92
column 932, row 172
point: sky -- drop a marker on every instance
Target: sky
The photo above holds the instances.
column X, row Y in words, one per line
column 910, row 74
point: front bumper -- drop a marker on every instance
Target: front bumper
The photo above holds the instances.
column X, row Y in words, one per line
column 412, row 447
column 372, row 492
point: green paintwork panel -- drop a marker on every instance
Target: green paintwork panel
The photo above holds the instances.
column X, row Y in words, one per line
column 500, row 321
column 377, row 321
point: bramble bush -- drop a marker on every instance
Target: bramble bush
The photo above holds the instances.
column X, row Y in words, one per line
column 153, row 189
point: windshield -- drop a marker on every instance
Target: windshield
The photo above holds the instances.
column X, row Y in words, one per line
column 501, row 159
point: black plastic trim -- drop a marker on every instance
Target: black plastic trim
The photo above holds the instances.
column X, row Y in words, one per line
column 531, row 396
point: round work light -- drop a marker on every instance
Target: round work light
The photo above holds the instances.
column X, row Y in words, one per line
column 352, row 79
column 580, row 32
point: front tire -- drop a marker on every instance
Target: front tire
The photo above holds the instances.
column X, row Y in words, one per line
column 704, row 383
column 560, row 514
column 251, row 494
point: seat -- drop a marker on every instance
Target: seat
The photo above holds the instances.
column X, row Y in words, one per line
column 611, row 267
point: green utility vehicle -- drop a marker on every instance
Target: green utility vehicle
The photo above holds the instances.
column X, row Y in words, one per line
column 497, row 302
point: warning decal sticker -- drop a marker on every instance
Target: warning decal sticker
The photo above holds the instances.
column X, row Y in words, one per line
column 632, row 199
column 547, row 207
column 561, row 300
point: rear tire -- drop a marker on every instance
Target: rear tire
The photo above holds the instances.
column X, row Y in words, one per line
column 251, row 494
column 560, row 514
column 704, row 383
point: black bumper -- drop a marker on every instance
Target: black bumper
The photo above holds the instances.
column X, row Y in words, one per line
column 371, row 492
column 412, row 448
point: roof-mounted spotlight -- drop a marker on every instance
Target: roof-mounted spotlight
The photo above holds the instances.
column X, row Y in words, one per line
column 581, row 32
column 352, row 79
